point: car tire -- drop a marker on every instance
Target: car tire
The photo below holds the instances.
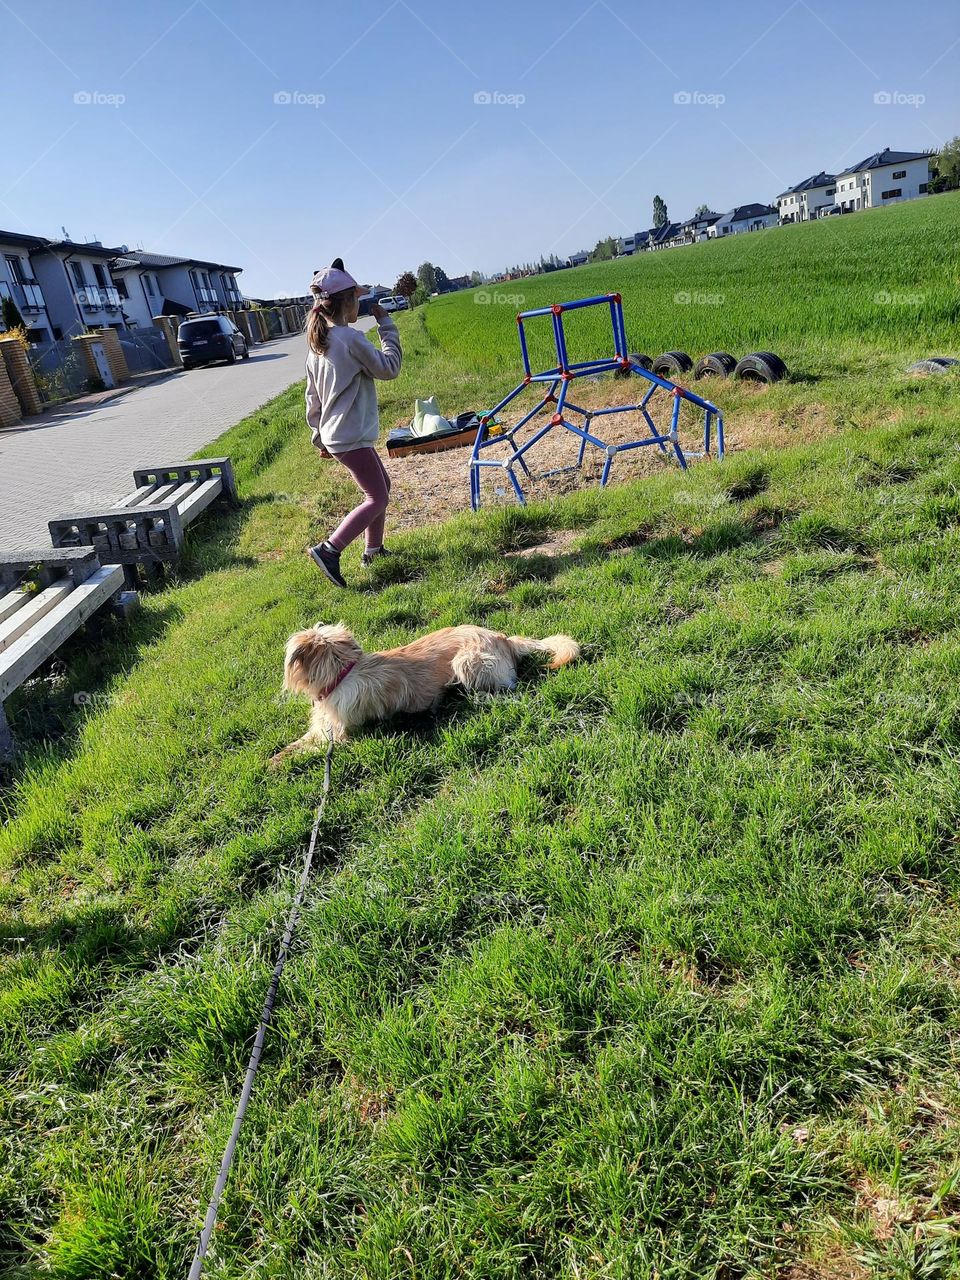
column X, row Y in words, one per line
column 245, row 354
column 718, row 364
column 231, row 356
column 761, row 366
column 937, row 364
column 637, row 358
column 671, row 363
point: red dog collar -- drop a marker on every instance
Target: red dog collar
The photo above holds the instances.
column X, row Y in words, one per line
column 339, row 680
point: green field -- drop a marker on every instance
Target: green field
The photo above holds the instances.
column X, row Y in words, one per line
column 649, row 969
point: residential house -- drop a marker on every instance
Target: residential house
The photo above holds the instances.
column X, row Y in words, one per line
column 886, row 177
column 178, row 285
column 627, row 245
column 745, row 217
column 18, row 282
column 579, row 258
column 803, row 202
column 664, row 237
column 697, row 227
column 77, row 286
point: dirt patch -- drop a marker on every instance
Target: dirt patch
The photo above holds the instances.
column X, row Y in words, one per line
column 430, row 488
column 556, row 545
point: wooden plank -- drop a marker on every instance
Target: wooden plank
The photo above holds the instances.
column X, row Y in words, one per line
column 205, row 493
column 41, row 642
column 12, row 601
column 454, row 440
column 26, row 618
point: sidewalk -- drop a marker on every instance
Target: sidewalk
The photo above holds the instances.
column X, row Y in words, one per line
column 83, row 452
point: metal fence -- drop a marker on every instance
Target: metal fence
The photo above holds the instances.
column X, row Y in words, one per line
column 58, row 370
column 146, row 350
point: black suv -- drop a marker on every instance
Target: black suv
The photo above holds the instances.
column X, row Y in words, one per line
column 209, row 338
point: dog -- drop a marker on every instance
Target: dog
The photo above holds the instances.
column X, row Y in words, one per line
column 350, row 687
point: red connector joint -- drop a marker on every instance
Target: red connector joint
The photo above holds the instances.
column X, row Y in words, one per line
column 556, row 420
column 484, row 420
column 557, row 309
column 528, row 379
column 566, row 376
column 550, row 399
column 519, row 318
column 616, row 297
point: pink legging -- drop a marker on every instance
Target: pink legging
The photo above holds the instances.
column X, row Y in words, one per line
column 374, row 483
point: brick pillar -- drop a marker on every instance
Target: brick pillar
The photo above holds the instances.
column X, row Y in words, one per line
column 242, row 320
column 82, row 344
column 115, row 357
column 9, row 404
column 21, row 375
column 168, row 326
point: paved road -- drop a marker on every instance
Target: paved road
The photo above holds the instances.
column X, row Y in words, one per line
column 62, row 462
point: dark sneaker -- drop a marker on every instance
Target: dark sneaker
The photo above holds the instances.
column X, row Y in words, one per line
column 328, row 562
column 368, row 557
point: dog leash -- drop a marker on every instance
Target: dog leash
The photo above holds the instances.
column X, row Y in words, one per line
column 229, row 1151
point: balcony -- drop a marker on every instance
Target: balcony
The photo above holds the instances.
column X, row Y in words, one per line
column 207, row 297
column 94, row 297
column 28, row 296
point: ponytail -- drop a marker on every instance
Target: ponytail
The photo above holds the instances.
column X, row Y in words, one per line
column 324, row 312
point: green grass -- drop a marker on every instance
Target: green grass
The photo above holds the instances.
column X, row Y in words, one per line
column 649, row 969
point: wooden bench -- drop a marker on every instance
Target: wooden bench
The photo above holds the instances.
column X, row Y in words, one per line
column 44, row 598
column 146, row 527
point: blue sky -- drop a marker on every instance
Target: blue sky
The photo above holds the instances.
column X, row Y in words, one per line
column 160, row 124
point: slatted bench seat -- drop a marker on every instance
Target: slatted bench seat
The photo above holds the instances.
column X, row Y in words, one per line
column 44, row 597
column 146, row 527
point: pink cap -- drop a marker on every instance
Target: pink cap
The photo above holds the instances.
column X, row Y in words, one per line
column 332, row 280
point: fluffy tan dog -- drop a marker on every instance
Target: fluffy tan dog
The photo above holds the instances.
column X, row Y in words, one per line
column 350, row 687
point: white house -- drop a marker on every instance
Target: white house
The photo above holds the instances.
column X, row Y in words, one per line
column 18, row 282
column 627, row 245
column 803, row 202
column 77, row 285
column 745, row 217
column 886, row 177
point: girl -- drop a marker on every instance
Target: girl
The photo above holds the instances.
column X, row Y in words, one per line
column 342, row 407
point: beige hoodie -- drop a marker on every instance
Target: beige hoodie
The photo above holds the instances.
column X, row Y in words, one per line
column 341, row 397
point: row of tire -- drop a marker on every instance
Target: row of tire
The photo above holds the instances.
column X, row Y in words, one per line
column 759, row 366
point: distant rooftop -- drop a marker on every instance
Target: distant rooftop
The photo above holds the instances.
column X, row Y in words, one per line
column 880, row 159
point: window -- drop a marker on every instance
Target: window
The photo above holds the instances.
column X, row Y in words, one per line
column 148, row 284
column 901, row 173
column 122, row 288
column 15, row 267
column 923, row 188
column 100, row 275
column 893, row 194
column 831, row 191
column 76, row 270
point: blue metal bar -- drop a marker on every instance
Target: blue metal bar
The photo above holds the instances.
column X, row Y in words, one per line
column 532, row 441
column 540, row 311
column 706, row 432
column 675, row 419
column 576, row 409
column 516, row 484
column 618, row 343
column 505, row 401
column 719, row 435
column 605, row 363
column 523, row 346
column 560, row 340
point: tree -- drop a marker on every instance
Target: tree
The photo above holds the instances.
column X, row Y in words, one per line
column 443, row 284
column 406, row 286
column 701, row 208
column 11, row 317
column 660, row 218
column 476, row 278
column 419, row 297
column 947, row 164
column 604, row 250
column 427, row 276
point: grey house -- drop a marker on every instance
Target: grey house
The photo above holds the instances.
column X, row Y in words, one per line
column 177, row 285
column 18, row 282
column 77, row 286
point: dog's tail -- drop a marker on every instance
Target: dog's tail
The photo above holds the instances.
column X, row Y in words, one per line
column 562, row 649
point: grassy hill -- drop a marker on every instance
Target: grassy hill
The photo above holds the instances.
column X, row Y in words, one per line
column 649, row 969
